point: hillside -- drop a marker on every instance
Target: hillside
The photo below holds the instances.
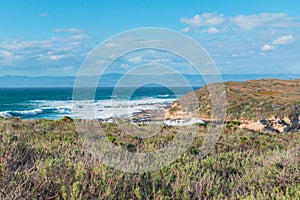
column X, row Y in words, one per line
column 256, row 100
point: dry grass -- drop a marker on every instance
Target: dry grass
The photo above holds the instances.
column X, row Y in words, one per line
column 250, row 100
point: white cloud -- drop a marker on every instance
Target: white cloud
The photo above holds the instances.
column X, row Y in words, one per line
column 56, row 57
column 67, row 30
column 206, row 19
column 158, row 60
column 38, row 56
column 213, row 30
column 101, row 62
column 5, row 53
column 112, row 44
column 125, row 66
column 216, row 23
column 136, row 59
column 68, row 68
column 283, row 40
column 186, row 29
column 263, row 19
column 79, row 37
column 54, row 44
column 149, row 41
column 8, row 58
column 17, row 45
column 194, row 21
column 267, row 47
column 50, row 56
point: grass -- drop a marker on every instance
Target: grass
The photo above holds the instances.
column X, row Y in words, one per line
column 248, row 100
column 44, row 159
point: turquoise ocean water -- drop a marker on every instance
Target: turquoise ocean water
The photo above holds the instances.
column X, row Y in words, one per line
column 54, row 103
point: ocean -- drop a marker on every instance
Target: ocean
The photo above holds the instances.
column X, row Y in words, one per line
column 55, row 103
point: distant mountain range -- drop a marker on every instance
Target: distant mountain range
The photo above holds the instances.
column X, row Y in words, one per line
column 110, row 80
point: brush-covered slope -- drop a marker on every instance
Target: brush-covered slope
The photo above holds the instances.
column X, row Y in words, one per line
column 249, row 100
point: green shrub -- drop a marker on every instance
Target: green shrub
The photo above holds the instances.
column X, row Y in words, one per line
column 65, row 192
column 200, row 124
column 229, row 126
column 76, row 190
column 130, row 147
column 111, row 138
column 244, row 140
column 234, row 122
column 67, row 119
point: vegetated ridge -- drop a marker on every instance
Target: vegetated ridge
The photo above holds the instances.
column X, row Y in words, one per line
column 259, row 105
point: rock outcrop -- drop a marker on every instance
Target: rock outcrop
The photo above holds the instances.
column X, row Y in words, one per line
column 272, row 125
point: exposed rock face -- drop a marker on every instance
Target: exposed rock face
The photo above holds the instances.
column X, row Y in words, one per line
column 253, row 126
column 272, row 125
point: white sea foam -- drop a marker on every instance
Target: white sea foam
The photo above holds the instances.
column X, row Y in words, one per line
column 28, row 112
column 64, row 109
column 164, row 95
column 106, row 109
column 184, row 122
column 5, row 114
column 101, row 109
column 11, row 113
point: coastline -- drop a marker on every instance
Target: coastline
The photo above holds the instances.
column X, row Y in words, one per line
column 53, row 158
column 257, row 105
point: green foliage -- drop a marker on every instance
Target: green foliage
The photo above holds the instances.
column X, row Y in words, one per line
column 234, row 122
column 130, row 147
column 194, row 150
column 65, row 192
column 293, row 192
column 67, row 119
column 111, row 138
column 138, row 194
column 243, row 140
column 43, row 159
column 229, row 126
column 200, row 124
column 76, row 190
column 1, row 168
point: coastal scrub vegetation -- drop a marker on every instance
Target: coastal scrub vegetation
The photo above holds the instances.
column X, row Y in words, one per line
column 248, row 100
column 45, row 159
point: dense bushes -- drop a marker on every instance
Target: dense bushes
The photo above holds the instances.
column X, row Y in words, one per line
column 44, row 159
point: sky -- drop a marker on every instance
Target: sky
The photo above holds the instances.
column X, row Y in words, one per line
column 53, row 37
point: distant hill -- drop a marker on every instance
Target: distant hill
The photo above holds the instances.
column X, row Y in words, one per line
column 110, row 80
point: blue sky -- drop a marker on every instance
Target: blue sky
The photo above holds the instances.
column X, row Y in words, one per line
column 52, row 37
